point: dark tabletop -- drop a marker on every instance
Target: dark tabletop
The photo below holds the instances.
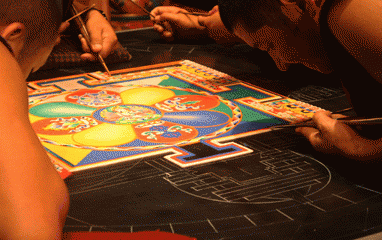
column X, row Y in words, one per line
column 240, row 61
column 93, row 208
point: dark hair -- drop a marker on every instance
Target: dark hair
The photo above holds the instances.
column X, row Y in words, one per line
column 66, row 9
column 252, row 13
column 41, row 18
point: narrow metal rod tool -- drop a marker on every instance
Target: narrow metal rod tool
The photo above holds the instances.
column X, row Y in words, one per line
column 144, row 9
column 187, row 13
column 346, row 120
column 85, row 34
column 197, row 14
column 309, row 121
column 80, row 13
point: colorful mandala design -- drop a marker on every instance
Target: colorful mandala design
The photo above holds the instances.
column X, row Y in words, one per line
column 132, row 118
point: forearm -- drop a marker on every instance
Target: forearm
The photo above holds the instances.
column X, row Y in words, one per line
column 33, row 197
column 34, row 219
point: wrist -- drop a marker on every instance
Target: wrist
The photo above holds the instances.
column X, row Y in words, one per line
column 94, row 11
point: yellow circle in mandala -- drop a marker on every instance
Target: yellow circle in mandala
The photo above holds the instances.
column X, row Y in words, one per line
column 145, row 95
column 33, row 118
column 106, row 135
column 63, row 139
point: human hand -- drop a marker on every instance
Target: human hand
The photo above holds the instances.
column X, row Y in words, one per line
column 61, row 29
column 334, row 137
column 102, row 36
column 171, row 23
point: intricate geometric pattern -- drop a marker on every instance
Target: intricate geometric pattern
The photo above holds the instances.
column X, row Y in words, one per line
column 132, row 118
column 93, row 120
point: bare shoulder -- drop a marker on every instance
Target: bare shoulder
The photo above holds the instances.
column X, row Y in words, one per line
column 357, row 25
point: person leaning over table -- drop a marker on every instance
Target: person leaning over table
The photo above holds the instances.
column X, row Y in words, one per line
column 339, row 36
column 33, row 198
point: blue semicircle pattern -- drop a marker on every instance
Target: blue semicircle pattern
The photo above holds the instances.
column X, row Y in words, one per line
column 197, row 118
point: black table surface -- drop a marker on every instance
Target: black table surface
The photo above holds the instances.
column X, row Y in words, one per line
column 122, row 198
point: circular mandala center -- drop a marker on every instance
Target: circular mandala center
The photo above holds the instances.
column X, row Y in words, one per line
column 127, row 114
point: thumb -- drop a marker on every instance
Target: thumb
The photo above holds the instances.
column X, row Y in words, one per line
column 324, row 122
column 95, row 39
column 213, row 10
column 320, row 136
column 331, row 128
